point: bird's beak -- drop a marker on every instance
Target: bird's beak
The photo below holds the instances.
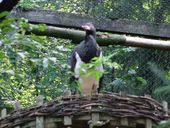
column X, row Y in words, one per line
column 86, row 27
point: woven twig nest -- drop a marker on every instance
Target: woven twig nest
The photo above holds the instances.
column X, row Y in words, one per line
column 111, row 104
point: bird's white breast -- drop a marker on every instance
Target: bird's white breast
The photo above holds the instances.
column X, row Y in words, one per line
column 88, row 83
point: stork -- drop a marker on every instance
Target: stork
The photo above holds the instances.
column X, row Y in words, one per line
column 84, row 53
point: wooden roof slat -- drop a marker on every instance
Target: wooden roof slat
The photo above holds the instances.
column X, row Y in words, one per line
column 62, row 19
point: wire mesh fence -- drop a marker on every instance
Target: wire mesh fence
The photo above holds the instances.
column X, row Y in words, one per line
column 136, row 70
column 157, row 11
column 139, row 71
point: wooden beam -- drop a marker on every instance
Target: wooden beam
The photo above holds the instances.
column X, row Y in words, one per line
column 61, row 19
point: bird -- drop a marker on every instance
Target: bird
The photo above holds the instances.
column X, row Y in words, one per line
column 7, row 5
column 83, row 53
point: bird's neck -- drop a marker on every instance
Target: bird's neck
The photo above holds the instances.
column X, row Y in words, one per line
column 89, row 35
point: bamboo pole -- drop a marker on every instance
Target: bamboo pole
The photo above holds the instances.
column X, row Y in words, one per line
column 103, row 39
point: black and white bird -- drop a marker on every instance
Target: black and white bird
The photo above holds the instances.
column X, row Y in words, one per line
column 84, row 53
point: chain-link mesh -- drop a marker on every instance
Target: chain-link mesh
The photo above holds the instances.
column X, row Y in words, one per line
column 139, row 71
column 136, row 70
column 157, row 11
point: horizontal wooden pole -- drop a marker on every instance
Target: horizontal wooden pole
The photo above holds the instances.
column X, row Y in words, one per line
column 103, row 39
column 147, row 43
column 61, row 19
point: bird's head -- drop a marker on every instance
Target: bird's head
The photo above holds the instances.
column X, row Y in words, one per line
column 89, row 28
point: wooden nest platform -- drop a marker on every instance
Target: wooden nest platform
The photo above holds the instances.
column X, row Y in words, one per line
column 100, row 110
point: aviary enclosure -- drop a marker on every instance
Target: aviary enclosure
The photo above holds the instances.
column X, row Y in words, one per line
column 135, row 92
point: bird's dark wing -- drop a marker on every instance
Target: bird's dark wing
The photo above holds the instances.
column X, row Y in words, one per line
column 77, row 49
column 73, row 60
column 72, row 65
column 7, row 5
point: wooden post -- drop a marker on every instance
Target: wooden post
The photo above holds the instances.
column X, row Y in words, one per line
column 39, row 122
column 67, row 121
column 95, row 117
column 40, row 119
column 123, row 93
column 148, row 123
column 124, row 122
column 67, row 93
column 3, row 113
column 17, row 106
column 40, row 100
column 148, row 96
column 17, row 127
column 165, row 108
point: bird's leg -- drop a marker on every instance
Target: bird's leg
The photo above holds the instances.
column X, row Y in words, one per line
column 95, row 89
column 100, row 84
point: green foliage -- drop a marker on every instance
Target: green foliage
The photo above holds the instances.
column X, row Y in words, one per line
column 165, row 124
column 91, row 69
column 31, row 65
column 162, row 92
column 124, row 77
